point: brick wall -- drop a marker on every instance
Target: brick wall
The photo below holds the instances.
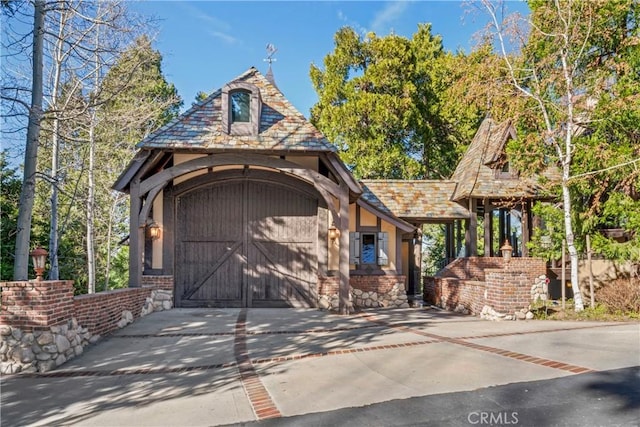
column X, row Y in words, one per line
column 101, row 312
column 31, row 306
column 36, row 305
column 471, row 268
column 504, row 287
column 379, row 284
column 328, row 285
column 158, row 282
column 509, row 288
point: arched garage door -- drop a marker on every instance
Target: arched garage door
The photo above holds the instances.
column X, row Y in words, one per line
column 246, row 244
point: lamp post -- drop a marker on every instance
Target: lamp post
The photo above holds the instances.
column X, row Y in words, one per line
column 39, row 257
column 506, row 250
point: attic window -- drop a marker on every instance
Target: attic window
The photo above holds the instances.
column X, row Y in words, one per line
column 503, row 171
column 240, row 106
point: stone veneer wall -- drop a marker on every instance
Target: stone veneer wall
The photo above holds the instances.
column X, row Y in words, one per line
column 470, row 284
column 42, row 325
column 366, row 291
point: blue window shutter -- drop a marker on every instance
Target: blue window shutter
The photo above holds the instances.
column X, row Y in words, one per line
column 354, row 248
column 383, row 248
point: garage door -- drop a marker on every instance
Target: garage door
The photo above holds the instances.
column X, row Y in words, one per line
column 246, row 244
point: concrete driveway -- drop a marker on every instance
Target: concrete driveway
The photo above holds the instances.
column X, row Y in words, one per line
column 204, row 367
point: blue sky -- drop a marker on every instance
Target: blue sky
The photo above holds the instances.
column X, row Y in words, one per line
column 205, row 44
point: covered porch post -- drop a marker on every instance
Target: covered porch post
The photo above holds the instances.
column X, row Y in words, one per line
column 343, row 268
column 471, row 232
column 488, row 228
column 136, row 236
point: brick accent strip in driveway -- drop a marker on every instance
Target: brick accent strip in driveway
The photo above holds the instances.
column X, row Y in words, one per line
column 500, row 352
column 258, row 395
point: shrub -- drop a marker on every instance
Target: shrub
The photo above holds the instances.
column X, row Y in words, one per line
column 621, row 295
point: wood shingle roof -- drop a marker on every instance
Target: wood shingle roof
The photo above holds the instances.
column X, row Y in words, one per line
column 282, row 126
column 476, row 173
column 417, row 200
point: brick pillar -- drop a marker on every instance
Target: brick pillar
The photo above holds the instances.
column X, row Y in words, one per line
column 36, row 305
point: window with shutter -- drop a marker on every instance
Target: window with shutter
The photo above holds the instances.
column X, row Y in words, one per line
column 383, row 248
column 354, row 248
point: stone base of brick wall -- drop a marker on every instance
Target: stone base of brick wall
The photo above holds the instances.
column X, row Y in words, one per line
column 42, row 325
column 365, row 291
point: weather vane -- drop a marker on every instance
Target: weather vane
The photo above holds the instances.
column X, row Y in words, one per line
column 271, row 50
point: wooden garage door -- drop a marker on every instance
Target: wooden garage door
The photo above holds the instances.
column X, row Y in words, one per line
column 246, row 244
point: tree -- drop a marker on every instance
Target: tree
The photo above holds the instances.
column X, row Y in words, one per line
column 136, row 99
column 27, row 193
column 377, row 103
column 564, row 69
column 10, row 186
column 141, row 102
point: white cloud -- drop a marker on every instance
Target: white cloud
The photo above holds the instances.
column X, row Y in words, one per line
column 227, row 38
column 213, row 26
column 391, row 12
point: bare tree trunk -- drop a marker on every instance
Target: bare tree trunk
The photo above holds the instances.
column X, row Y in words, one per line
column 27, row 195
column 91, row 256
column 54, row 271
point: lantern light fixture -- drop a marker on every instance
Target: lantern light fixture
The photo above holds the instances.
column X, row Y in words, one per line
column 39, row 257
column 153, row 231
column 506, row 250
column 334, row 233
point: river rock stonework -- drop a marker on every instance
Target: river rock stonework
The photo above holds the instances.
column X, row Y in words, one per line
column 540, row 289
column 44, row 350
column 396, row 297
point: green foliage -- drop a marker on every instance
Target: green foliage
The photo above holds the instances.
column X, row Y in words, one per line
column 378, row 104
column 200, row 96
column 137, row 101
column 546, row 242
column 603, row 59
column 10, row 186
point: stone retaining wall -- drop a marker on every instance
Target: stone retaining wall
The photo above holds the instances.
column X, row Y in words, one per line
column 42, row 325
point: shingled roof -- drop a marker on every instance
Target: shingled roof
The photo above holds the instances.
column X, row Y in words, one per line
column 476, row 172
column 419, row 200
column 282, row 126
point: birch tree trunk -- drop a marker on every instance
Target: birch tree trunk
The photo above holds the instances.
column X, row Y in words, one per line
column 558, row 134
column 27, row 195
column 90, row 237
column 58, row 60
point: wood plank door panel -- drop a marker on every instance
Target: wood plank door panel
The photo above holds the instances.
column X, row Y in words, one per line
column 246, row 244
column 209, row 258
column 282, row 234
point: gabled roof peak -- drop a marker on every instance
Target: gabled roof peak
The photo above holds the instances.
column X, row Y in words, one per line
column 281, row 125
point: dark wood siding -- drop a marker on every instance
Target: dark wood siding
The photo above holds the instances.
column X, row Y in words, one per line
column 246, row 244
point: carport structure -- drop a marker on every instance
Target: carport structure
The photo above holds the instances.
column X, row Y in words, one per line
column 242, row 202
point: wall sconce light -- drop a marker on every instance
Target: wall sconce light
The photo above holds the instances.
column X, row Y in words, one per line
column 39, row 257
column 506, row 250
column 153, row 231
column 334, row 233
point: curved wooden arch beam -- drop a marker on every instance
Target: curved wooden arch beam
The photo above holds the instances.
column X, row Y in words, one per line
column 224, row 175
column 214, row 160
column 151, row 187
